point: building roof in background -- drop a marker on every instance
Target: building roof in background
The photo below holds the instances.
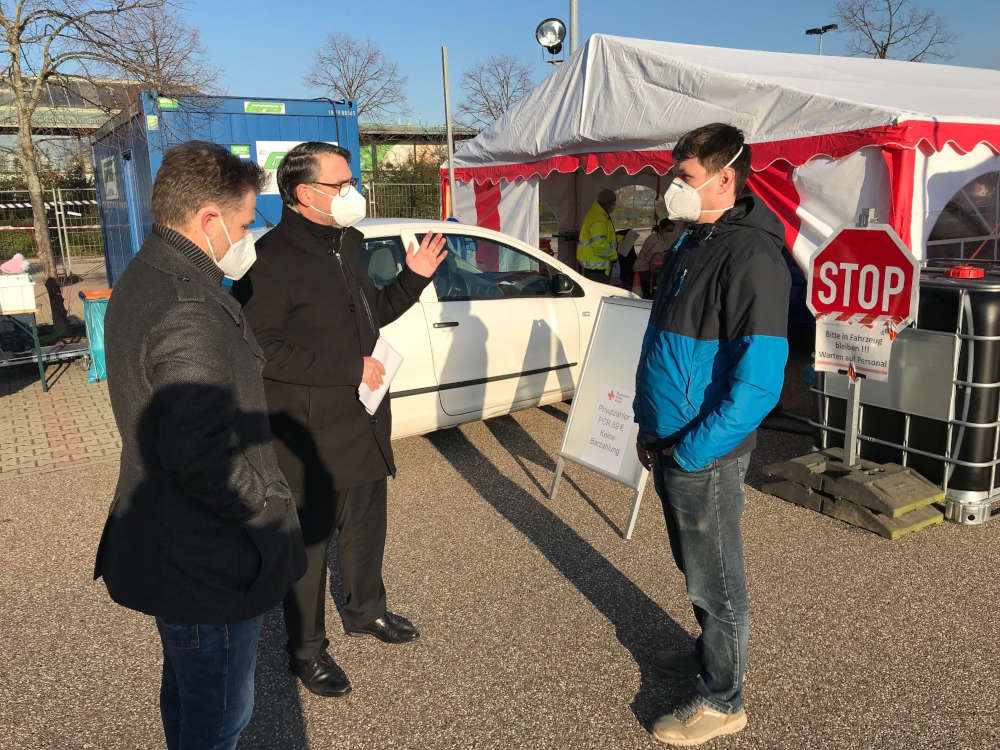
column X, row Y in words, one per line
column 384, row 133
column 71, row 103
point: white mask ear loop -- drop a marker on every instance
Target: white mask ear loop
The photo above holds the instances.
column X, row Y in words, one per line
column 317, row 209
column 211, row 250
column 728, row 165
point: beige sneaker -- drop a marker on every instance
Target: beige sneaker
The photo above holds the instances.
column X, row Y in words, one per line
column 695, row 724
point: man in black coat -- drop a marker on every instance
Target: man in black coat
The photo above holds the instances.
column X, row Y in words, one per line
column 317, row 315
column 201, row 533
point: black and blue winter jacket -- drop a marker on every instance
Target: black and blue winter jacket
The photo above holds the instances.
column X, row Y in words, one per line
column 713, row 357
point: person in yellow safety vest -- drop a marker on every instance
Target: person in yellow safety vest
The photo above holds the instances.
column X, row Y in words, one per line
column 597, row 249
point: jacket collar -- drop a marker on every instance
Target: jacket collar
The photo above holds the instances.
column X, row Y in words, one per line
column 190, row 251
column 315, row 238
column 164, row 257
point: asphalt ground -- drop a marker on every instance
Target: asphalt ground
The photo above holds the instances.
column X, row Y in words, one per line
column 538, row 620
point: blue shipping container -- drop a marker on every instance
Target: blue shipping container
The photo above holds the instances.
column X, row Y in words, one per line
column 129, row 149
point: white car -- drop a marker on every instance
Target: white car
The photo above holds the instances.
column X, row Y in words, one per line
column 503, row 326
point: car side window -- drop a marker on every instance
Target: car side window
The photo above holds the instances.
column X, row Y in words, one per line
column 383, row 258
column 479, row 268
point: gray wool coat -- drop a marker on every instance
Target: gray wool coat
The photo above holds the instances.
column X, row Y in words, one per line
column 202, row 529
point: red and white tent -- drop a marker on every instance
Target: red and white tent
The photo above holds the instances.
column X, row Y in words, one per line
column 830, row 136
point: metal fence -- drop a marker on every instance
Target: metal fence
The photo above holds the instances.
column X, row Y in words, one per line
column 74, row 224
column 635, row 207
column 984, row 247
column 403, row 200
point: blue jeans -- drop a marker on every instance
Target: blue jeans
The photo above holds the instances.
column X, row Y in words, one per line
column 703, row 510
column 206, row 696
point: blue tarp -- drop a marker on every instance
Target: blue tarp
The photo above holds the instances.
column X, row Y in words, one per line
column 93, row 314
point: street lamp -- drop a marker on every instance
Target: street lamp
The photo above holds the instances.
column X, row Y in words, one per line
column 820, row 31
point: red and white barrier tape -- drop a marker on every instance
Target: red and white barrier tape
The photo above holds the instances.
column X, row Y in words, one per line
column 866, row 320
column 32, row 229
column 50, row 205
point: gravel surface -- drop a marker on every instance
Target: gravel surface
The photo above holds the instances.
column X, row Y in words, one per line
column 538, row 620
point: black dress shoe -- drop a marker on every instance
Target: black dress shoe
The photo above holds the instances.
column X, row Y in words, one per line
column 390, row 628
column 321, row 676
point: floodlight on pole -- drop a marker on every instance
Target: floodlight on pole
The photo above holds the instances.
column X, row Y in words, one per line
column 820, row 31
column 550, row 34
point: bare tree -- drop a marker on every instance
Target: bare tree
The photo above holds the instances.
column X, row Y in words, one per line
column 156, row 49
column 491, row 88
column 895, row 29
column 44, row 41
column 361, row 72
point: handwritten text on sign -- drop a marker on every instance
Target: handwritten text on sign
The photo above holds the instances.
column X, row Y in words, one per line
column 840, row 345
column 610, row 430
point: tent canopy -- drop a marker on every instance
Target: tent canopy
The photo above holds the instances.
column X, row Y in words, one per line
column 617, row 96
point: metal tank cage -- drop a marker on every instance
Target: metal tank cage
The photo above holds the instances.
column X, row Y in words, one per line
column 969, row 507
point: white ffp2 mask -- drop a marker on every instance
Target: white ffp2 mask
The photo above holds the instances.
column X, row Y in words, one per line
column 683, row 202
column 346, row 210
column 241, row 255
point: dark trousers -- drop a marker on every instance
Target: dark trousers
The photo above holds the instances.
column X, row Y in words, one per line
column 596, row 274
column 646, row 279
column 625, row 263
column 703, row 510
column 358, row 515
column 206, row 694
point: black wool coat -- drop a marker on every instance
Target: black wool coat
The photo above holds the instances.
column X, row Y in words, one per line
column 316, row 314
column 202, row 529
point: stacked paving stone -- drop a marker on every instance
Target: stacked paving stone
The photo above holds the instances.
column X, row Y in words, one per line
column 888, row 499
column 70, row 426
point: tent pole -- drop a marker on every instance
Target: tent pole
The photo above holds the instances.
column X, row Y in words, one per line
column 451, row 140
column 656, row 200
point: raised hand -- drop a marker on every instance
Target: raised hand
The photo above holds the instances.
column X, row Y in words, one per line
column 428, row 256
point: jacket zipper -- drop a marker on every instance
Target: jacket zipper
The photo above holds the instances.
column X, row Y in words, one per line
column 335, row 251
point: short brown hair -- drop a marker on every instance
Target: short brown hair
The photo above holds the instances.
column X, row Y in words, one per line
column 198, row 172
column 714, row 145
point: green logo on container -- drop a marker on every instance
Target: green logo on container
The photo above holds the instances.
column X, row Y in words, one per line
column 264, row 108
column 240, row 150
column 152, row 122
column 274, row 159
column 165, row 102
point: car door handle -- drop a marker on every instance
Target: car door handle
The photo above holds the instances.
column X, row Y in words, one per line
column 446, row 324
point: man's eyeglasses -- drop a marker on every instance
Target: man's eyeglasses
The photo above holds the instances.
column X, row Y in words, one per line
column 342, row 188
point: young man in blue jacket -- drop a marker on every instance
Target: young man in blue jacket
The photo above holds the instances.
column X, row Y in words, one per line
column 711, row 369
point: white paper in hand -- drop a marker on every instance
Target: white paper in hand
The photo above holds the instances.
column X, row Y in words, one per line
column 628, row 242
column 391, row 360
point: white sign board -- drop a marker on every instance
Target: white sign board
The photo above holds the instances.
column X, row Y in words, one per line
column 110, row 177
column 269, row 156
column 610, row 429
column 600, row 431
column 841, row 345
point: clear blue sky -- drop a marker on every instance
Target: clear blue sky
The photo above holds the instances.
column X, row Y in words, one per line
column 265, row 47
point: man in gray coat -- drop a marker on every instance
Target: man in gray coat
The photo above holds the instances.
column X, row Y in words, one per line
column 202, row 533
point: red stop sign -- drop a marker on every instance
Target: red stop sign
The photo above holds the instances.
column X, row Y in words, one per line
column 865, row 271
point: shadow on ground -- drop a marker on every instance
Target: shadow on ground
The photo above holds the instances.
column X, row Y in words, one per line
column 641, row 625
column 277, row 719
